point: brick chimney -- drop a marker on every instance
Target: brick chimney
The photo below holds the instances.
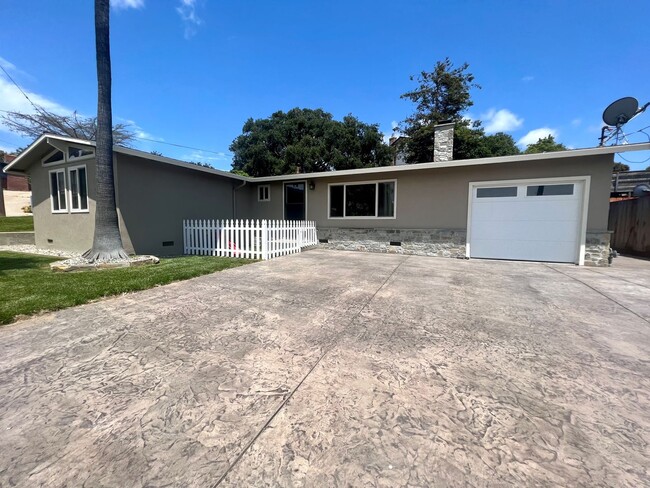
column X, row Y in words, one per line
column 443, row 142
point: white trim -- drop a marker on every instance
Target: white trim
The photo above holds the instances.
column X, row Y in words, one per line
column 268, row 193
column 370, row 182
column 69, row 190
column 584, row 180
column 284, row 198
column 522, row 158
column 594, row 151
column 78, row 158
column 53, row 139
column 49, row 155
column 65, row 191
column 586, row 187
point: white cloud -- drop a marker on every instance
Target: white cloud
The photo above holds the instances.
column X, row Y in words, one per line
column 187, row 11
column 12, row 100
column 9, row 66
column 500, row 121
column 124, row 4
column 527, row 78
column 536, row 134
column 6, row 64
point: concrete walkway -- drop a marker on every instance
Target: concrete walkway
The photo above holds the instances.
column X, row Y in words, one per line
column 339, row 369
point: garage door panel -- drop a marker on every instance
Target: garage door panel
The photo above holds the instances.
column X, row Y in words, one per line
column 526, row 230
column 536, row 227
column 553, row 251
column 524, row 210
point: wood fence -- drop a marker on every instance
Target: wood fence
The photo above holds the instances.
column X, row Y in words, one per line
column 630, row 221
column 253, row 239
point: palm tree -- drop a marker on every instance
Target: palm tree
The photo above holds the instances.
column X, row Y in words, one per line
column 107, row 242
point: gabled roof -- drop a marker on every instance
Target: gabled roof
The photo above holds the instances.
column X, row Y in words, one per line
column 22, row 161
column 37, row 148
column 524, row 158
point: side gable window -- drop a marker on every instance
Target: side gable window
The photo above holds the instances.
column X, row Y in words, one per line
column 264, row 193
column 78, row 189
column 77, row 152
column 53, row 157
column 57, row 191
column 72, row 154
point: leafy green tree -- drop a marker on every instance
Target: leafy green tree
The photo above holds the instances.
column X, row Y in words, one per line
column 620, row 167
column 306, row 140
column 470, row 141
column 442, row 95
column 545, row 144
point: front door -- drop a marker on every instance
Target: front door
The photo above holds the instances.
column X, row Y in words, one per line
column 294, row 201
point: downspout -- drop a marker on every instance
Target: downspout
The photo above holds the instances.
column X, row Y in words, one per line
column 234, row 198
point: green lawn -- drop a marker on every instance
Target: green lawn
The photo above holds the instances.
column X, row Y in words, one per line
column 17, row 224
column 28, row 286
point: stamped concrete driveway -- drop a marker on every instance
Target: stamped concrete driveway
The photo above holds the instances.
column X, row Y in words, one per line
column 339, row 369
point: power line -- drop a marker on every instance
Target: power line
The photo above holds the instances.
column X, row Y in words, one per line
column 38, row 109
column 19, row 88
column 160, row 142
column 179, row 145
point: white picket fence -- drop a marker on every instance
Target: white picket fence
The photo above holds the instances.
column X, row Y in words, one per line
column 253, row 239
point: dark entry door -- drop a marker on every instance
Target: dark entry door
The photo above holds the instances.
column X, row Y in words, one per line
column 294, row 201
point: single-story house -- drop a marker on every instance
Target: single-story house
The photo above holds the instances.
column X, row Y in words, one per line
column 540, row 207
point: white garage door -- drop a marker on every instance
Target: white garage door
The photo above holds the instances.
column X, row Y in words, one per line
column 532, row 221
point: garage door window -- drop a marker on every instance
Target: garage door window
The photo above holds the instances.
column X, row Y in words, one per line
column 502, row 191
column 549, row 190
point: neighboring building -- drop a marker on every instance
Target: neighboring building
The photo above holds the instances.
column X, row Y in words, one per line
column 624, row 183
column 398, row 144
column 11, row 182
column 539, row 207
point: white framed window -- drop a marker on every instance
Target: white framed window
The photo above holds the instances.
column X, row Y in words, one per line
column 363, row 200
column 58, row 191
column 264, row 193
column 77, row 153
column 70, row 155
column 54, row 157
column 78, row 188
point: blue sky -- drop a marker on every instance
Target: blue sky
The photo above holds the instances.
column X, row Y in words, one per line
column 191, row 72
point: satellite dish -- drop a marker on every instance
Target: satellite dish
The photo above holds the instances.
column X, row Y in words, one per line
column 620, row 111
column 641, row 190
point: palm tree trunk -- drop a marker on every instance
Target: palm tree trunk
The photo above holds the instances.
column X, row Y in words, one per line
column 107, row 242
column 2, row 202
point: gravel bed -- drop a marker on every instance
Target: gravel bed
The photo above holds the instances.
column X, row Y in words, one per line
column 31, row 249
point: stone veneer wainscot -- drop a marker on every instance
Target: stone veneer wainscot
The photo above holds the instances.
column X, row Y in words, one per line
column 448, row 243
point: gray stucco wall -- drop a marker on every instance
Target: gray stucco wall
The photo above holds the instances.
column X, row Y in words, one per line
column 437, row 198
column 153, row 199
column 432, row 206
column 67, row 231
